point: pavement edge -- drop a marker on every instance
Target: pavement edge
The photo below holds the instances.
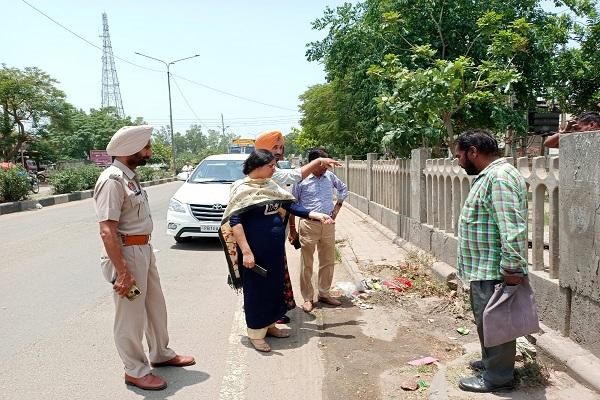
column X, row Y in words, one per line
column 26, row 205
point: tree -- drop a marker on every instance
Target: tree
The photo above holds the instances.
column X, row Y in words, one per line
column 195, row 139
column 443, row 94
column 291, row 146
column 161, row 150
column 81, row 132
column 329, row 120
column 434, row 41
column 27, row 97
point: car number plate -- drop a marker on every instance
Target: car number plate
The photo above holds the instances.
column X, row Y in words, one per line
column 209, row 228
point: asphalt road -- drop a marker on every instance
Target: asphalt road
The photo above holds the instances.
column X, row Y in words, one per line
column 56, row 315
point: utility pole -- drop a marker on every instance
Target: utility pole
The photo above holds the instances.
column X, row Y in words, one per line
column 223, row 124
column 168, row 64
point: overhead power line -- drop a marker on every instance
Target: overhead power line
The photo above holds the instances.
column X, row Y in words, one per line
column 231, row 94
column 155, row 70
column 84, row 39
column 185, row 99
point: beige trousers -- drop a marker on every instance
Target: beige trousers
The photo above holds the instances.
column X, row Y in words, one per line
column 258, row 333
column 315, row 235
column 148, row 312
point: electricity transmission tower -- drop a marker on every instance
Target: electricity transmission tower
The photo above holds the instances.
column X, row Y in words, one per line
column 111, row 94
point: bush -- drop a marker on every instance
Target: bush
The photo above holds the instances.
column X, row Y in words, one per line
column 75, row 179
column 89, row 176
column 14, row 184
column 146, row 173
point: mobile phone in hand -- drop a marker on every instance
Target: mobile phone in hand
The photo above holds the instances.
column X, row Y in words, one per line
column 259, row 270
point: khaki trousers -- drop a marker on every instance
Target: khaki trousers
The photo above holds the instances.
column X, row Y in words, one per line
column 148, row 312
column 259, row 333
column 314, row 234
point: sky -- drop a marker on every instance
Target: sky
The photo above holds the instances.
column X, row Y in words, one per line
column 251, row 49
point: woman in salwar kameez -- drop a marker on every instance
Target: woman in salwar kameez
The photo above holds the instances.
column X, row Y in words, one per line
column 253, row 223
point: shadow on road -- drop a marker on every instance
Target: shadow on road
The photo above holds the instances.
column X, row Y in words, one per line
column 199, row 244
column 177, row 378
column 303, row 328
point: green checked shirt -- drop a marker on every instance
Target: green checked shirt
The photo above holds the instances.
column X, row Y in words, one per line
column 492, row 229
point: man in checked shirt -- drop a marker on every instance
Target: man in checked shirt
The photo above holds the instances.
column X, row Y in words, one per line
column 492, row 246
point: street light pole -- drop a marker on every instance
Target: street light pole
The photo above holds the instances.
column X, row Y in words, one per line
column 168, row 64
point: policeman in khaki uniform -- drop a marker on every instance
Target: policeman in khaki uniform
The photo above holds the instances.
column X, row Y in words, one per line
column 125, row 227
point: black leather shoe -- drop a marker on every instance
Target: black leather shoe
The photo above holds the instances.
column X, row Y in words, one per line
column 479, row 385
column 477, row 365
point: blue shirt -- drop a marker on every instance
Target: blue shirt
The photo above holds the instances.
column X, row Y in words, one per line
column 316, row 193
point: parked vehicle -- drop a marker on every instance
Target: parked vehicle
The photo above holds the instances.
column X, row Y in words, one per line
column 183, row 175
column 35, row 184
column 284, row 164
column 241, row 146
column 196, row 209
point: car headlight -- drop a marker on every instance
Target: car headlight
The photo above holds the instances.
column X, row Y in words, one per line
column 176, row 206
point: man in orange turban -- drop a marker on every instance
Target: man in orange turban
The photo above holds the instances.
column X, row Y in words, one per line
column 274, row 142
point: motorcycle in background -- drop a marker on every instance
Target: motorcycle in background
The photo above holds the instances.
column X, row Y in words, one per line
column 35, row 183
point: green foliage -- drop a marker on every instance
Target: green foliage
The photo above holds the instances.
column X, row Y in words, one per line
column 14, row 184
column 27, row 95
column 193, row 146
column 438, row 68
column 146, row 173
column 161, row 151
column 75, row 179
column 424, row 105
column 332, row 118
column 81, row 133
column 291, row 145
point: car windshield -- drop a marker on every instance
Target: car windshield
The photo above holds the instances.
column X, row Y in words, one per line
column 218, row 171
column 284, row 164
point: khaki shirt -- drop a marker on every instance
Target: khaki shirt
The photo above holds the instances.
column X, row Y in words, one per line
column 118, row 196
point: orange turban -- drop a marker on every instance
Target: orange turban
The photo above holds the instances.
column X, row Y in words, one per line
column 267, row 140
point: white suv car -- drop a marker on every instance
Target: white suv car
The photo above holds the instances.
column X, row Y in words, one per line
column 196, row 209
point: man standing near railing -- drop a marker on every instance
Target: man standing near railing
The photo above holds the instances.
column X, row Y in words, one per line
column 492, row 246
column 316, row 192
column 588, row 121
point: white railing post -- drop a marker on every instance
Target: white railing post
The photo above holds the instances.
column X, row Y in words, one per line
column 418, row 184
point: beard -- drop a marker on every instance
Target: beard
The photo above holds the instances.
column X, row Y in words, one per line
column 138, row 160
column 470, row 168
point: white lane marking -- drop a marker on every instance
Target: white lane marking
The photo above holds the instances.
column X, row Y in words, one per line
column 233, row 385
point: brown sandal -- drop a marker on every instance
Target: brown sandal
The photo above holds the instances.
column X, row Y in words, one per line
column 261, row 345
column 278, row 333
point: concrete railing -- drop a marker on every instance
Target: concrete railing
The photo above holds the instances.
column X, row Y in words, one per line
column 448, row 186
column 420, row 199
